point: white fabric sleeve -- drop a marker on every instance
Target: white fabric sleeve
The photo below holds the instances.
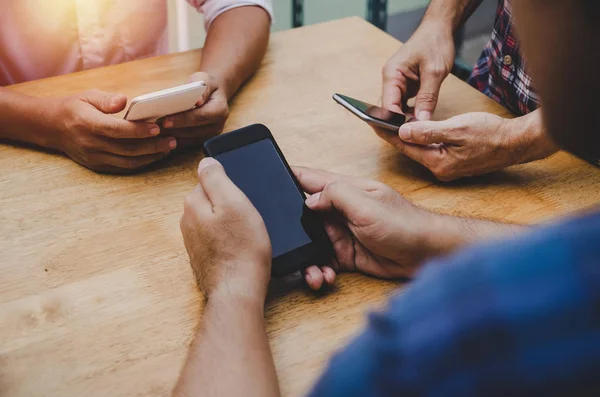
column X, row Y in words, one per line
column 213, row 8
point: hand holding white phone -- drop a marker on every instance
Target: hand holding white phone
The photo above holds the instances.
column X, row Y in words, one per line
column 150, row 107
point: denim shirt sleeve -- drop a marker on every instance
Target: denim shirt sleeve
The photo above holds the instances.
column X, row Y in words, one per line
column 517, row 318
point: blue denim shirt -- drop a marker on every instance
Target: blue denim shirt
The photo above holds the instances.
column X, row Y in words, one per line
column 515, row 318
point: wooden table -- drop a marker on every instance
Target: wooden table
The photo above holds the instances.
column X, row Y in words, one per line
column 96, row 294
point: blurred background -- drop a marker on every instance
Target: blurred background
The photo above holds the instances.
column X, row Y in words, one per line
column 398, row 17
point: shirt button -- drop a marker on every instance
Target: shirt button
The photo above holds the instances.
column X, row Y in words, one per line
column 508, row 60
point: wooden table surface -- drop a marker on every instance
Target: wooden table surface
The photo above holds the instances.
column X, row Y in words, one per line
column 96, row 294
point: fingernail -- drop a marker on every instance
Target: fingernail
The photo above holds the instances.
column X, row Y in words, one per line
column 326, row 275
column 172, row 143
column 205, row 162
column 405, row 132
column 155, row 130
column 424, row 115
column 312, row 200
column 168, row 124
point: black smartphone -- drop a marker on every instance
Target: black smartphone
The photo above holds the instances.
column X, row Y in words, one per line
column 374, row 115
column 255, row 164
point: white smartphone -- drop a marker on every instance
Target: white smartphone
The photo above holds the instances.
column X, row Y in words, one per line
column 150, row 107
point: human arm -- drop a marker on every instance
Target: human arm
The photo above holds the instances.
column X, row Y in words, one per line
column 82, row 127
column 230, row 354
column 235, row 45
column 230, row 253
column 374, row 230
column 420, row 66
column 522, row 307
column 473, row 143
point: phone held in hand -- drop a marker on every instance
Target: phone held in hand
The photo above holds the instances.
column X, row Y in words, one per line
column 152, row 106
column 255, row 164
column 373, row 115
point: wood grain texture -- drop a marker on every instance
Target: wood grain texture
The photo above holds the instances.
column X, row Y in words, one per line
column 96, row 294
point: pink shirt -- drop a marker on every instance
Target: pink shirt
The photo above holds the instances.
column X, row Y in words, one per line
column 42, row 38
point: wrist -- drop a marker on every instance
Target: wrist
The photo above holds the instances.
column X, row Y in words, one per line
column 51, row 122
column 527, row 139
column 247, row 288
column 449, row 18
column 444, row 234
column 436, row 25
column 27, row 119
column 449, row 233
column 222, row 83
column 226, row 295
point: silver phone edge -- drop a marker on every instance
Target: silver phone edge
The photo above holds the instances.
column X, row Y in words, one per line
column 364, row 117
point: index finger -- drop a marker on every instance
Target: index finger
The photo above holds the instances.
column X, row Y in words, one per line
column 112, row 127
column 426, row 155
column 391, row 96
column 313, row 181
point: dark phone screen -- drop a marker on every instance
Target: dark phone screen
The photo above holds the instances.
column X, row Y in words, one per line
column 260, row 173
column 376, row 112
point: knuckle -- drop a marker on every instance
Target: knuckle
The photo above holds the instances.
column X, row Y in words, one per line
column 333, row 188
column 132, row 163
column 385, row 70
column 225, row 111
column 75, row 122
column 444, row 172
column 428, row 136
column 436, row 70
column 428, row 97
column 189, row 205
column 392, row 67
column 84, row 141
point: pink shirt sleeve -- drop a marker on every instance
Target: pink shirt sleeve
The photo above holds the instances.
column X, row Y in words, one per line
column 213, row 8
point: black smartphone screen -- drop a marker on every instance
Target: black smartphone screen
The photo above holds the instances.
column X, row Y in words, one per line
column 254, row 163
column 376, row 112
column 260, row 173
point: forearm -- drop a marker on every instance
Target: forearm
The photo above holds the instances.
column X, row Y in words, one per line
column 235, row 46
column 230, row 355
column 527, row 139
column 25, row 119
column 450, row 14
column 443, row 234
column 450, row 233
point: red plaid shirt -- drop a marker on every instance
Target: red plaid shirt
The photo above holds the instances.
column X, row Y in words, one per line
column 500, row 72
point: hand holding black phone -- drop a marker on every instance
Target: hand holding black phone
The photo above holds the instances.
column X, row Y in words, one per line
column 255, row 164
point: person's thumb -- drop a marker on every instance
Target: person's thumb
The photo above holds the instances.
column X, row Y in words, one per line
column 426, row 132
column 427, row 97
column 106, row 102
